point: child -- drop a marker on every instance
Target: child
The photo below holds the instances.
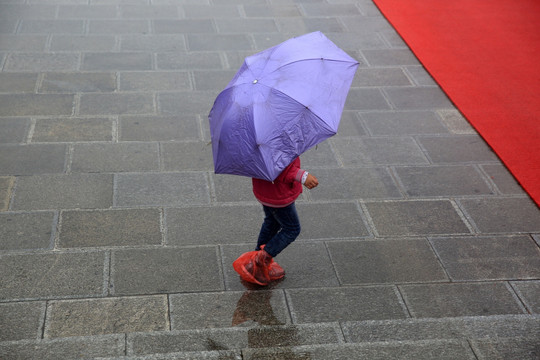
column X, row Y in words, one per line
column 281, row 225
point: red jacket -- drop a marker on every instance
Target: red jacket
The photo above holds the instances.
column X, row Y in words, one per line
column 283, row 190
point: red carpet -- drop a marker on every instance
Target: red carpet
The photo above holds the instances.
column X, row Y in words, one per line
column 485, row 54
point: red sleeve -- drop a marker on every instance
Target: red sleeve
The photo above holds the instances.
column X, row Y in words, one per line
column 292, row 173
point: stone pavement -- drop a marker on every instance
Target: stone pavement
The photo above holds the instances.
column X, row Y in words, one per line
column 117, row 238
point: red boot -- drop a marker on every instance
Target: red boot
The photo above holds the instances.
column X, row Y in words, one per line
column 261, row 266
column 275, row 271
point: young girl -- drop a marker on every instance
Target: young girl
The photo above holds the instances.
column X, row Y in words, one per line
column 281, row 225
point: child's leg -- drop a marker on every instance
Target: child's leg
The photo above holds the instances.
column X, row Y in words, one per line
column 289, row 222
column 269, row 228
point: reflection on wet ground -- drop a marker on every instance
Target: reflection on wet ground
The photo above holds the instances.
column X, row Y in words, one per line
column 255, row 306
column 269, row 332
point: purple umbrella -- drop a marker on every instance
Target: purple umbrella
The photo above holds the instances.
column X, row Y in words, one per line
column 282, row 101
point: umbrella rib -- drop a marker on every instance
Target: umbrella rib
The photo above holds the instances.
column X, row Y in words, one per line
column 305, row 106
column 314, row 59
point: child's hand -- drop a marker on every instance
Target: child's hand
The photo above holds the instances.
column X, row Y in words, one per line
column 311, row 182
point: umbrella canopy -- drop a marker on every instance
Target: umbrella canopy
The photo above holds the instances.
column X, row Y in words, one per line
column 282, row 101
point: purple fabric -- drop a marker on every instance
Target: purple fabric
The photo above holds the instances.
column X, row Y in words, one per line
column 282, row 101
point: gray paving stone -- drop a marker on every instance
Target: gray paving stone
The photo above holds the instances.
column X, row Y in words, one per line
column 183, row 26
column 36, row 104
column 116, row 61
column 320, row 156
column 158, row 128
column 110, row 228
column 51, row 27
column 78, row 82
column 232, row 188
column 213, row 42
column 117, row 104
column 221, row 339
column 212, row 80
column 276, row 11
column 72, row 130
column 420, row 76
column 153, row 42
column 504, row 215
column 385, row 261
column 348, row 184
column 34, row 62
column 176, row 342
column 8, row 26
column 366, row 99
column 319, row 9
column 84, row 191
column 459, row 299
column 153, row 11
column 17, row 82
column 165, row 270
column 68, row 348
column 189, row 355
column 187, row 103
column 455, row 122
column 13, row 130
column 188, row 61
column 457, row 149
column 442, row 181
column 262, row 41
column 154, row 81
column 182, row 156
column 443, row 350
column 87, row 11
column 477, row 327
column 520, row 348
column 6, row 187
column 415, row 218
column 380, row 77
column 21, row 320
column 106, row 316
column 119, row 26
column 26, row 230
column 344, row 304
column 213, row 225
column 363, row 24
column 11, row 42
column 242, row 26
column 307, row 265
column 49, row 276
column 489, row 258
column 379, row 151
column 331, row 220
column 418, row 98
column 205, row 11
column 123, row 157
column 162, row 189
column 350, row 125
column 503, row 179
column 390, row 57
column 529, row 292
column 230, row 338
column 63, row 42
column 32, row 159
column 301, row 25
column 403, row 123
column 227, row 309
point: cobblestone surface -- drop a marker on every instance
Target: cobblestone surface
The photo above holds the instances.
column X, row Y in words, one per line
column 117, row 239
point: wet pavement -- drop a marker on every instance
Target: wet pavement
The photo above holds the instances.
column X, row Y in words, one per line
column 117, row 238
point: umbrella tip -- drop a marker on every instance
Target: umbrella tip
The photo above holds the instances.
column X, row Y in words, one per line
column 255, row 81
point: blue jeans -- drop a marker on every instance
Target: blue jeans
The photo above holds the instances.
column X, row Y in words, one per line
column 280, row 227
